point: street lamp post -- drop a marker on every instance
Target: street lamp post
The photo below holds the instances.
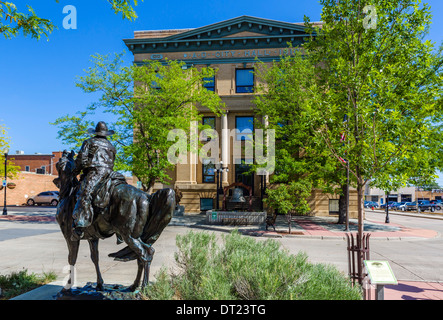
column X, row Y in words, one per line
column 387, row 207
column 219, row 170
column 262, row 189
column 5, row 211
column 217, row 203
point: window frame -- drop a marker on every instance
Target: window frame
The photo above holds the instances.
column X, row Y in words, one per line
column 244, row 136
column 210, row 117
column 337, row 201
column 210, row 162
column 205, row 83
column 213, row 128
column 212, row 204
column 237, row 86
column 155, row 85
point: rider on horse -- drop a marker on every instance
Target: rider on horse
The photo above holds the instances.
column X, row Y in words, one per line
column 96, row 161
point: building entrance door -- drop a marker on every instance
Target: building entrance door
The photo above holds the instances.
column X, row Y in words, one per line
column 242, row 175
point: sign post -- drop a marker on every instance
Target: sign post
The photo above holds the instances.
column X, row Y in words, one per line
column 380, row 274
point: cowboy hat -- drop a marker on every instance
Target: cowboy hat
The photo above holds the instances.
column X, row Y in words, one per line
column 101, row 130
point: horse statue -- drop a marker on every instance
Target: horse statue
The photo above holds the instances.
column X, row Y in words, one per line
column 134, row 216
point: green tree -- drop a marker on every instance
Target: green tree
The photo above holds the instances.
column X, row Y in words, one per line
column 164, row 98
column 302, row 159
column 386, row 80
column 11, row 169
column 289, row 198
column 30, row 24
column 368, row 90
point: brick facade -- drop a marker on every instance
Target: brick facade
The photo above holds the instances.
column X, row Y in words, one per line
column 32, row 162
column 27, row 185
column 30, row 184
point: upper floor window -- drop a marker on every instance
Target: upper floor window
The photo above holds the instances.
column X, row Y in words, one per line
column 244, row 80
column 244, row 126
column 154, row 84
column 209, row 83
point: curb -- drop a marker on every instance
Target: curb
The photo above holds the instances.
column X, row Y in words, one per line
column 438, row 215
column 45, row 292
column 260, row 233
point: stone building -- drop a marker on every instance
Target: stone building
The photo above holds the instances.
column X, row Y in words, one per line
column 231, row 47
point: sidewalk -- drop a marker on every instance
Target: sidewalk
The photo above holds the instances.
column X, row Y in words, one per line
column 313, row 227
column 321, row 228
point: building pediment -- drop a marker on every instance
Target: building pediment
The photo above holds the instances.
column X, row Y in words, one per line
column 239, row 33
column 229, row 28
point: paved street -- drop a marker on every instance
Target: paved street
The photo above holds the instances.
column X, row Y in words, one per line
column 415, row 259
column 30, row 239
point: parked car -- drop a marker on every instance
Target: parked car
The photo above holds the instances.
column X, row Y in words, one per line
column 396, row 205
column 390, row 203
column 47, row 197
column 438, row 204
column 422, row 205
column 370, row 204
column 409, row 206
column 402, row 206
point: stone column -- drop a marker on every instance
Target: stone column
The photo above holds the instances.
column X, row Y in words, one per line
column 266, row 124
column 225, row 145
column 193, row 155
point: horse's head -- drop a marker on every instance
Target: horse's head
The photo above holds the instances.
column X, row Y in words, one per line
column 66, row 163
column 65, row 166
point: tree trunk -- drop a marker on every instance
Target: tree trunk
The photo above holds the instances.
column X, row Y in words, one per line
column 289, row 216
column 360, row 205
column 342, row 204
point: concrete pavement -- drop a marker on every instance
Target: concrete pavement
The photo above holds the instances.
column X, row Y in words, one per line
column 33, row 241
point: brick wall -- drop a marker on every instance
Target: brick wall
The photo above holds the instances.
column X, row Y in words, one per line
column 30, row 184
column 36, row 161
column 27, row 185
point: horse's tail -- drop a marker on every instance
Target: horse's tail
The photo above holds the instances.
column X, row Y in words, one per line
column 161, row 208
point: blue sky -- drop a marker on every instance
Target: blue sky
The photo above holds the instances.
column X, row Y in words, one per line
column 37, row 78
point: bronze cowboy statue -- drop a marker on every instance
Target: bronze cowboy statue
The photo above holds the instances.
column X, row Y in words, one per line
column 103, row 204
column 96, row 161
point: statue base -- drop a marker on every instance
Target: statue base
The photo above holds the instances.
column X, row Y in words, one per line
column 89, row 292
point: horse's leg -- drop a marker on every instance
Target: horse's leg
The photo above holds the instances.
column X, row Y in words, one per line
column 140, row 264
column 142, row 256
column 147, row 267
column 72, row 259
column 93, row 245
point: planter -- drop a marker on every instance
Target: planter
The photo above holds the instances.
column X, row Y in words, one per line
column 235, row 217
column 11, row 185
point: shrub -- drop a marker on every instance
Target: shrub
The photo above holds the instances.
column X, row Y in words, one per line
column 20, row 282
column 243, row 268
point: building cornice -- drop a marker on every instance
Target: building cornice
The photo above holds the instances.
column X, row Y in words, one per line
column 225, row 35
